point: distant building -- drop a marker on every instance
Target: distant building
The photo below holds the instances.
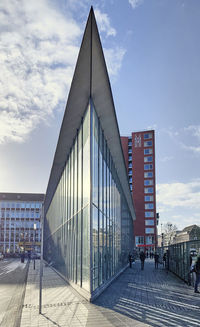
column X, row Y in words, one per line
column 19, row 212
column 139, row 154
column 189, row 233
column 88, row 210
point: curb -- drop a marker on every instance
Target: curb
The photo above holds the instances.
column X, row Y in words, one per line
column 12, row 317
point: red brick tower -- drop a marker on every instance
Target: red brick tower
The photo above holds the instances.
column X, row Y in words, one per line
column 139, row 154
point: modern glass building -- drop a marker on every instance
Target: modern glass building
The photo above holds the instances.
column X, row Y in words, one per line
column 89, row 213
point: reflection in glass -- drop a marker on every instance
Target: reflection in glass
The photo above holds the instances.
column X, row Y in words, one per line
column 88, row 209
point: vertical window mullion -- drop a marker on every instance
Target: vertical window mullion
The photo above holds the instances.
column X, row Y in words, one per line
column 98, row 203
column 81, row 275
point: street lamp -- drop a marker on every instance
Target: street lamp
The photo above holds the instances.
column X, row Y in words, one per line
column 34, row 227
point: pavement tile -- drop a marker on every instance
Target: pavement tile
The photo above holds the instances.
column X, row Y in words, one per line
column 136, row 299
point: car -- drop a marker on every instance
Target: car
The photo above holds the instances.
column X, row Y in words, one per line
column 1, row 256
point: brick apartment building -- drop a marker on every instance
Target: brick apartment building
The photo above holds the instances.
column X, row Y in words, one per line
column 139, row 153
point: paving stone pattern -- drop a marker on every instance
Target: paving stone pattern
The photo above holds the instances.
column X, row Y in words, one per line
column 137, row 298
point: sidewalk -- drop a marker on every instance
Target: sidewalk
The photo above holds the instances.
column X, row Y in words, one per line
column 137, row 298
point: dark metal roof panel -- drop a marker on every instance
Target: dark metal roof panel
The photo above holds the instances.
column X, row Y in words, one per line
column 90, row 79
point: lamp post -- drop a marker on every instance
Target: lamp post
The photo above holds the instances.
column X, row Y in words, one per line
column 41, row 258
column 34, row 227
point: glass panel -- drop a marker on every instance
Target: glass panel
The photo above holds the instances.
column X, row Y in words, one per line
column 74, row 248
column 105, row 180
column 86, row 159
column 95, row 159
column 100, row 170
column 71, row 182
column 147, row 143
column 95, row 258
column 75, row 178
column 149, row 230
column 148, row 136
column 79, row 249
column 80, row 169
column 100, row 247
column 85, row 250
column 149, row 222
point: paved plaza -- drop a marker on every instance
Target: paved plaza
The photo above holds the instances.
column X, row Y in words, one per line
column 137, row 298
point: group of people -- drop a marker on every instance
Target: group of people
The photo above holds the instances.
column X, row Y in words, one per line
column 149, row 254
column 142, row 256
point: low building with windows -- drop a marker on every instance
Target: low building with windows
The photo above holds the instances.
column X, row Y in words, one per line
column 189, row 233
column 139, row 154
column 88, row 210
column 20, row 222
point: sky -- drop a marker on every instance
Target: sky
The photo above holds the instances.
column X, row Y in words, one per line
column 152, row 51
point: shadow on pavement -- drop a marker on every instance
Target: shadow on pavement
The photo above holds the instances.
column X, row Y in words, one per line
column 152, row 297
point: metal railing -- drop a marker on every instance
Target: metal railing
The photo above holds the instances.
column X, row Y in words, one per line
column 178, row 257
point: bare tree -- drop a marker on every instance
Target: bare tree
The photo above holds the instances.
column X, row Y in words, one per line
column 169, row 233
column 169, row 228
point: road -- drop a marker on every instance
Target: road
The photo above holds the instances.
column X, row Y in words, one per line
column 12, row 277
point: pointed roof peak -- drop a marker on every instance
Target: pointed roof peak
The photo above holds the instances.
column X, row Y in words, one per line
column 91, row 13
column 90, row 80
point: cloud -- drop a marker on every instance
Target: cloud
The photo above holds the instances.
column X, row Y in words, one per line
column 179, row 203
column 37, row 58
column 103, row 22
column 114, row 59
column 186, row 138
column 173, row 134
column 194, row 130
column 182, row 195
column 39, row 48
column 167, row 158
column 135, row 3
column 194, row 149
column 193, row 134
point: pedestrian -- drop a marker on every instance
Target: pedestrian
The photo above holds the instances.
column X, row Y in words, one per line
column 156, row 258
column 22, row 257
column 29, row 255
column 164, row 259
column 142, row 259
column 130, row 259
column 197, row 271
column 190, row 271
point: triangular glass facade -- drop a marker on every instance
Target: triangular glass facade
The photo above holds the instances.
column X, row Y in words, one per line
column 88, row 227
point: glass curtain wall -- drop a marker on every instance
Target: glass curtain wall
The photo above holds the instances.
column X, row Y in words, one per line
column 67, row 223
column 88, row 230
column 112, row 226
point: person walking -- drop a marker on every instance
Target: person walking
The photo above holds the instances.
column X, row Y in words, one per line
column 142, row 259
column 130, row 259
column 22, row 257
column 197, row 271
column 164, row 259
column 156, row 258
